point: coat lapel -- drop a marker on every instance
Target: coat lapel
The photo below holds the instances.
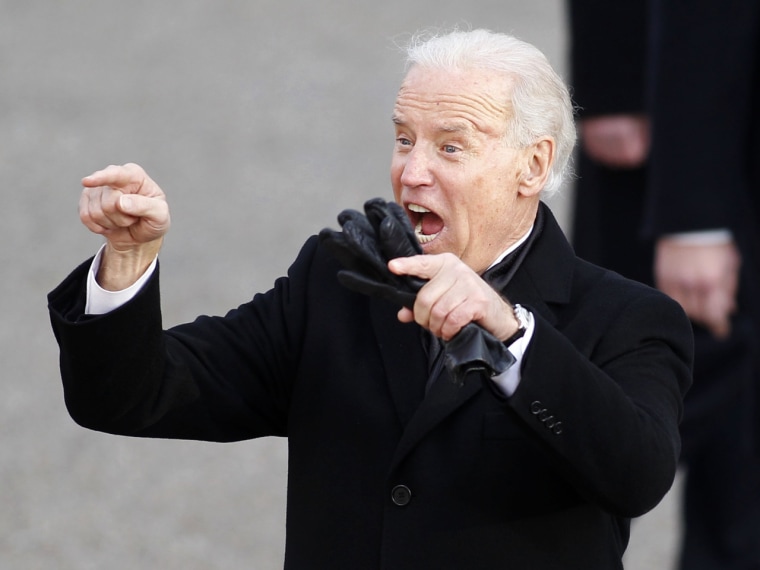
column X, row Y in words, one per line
column 444, row 397
column 545, row 277
column 405, row 361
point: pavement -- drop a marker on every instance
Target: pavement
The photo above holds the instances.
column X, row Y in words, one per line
column 261, row 120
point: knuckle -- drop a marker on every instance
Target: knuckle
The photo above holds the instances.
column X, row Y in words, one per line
column 439, row 313
column 425, row 297
column 449, row 258
column 457, row 319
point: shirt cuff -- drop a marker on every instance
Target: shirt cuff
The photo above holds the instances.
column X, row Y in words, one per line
column 100, row 301
column 508, row 380
column 707, row 237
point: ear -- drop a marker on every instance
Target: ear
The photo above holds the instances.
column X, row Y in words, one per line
column 538, row 159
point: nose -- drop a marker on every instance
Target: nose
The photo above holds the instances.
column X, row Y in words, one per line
column 416, row 168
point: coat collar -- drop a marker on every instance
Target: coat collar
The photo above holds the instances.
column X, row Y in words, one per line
column 546, row 275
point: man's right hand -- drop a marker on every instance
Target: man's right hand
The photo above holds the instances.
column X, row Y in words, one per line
column 129, row 209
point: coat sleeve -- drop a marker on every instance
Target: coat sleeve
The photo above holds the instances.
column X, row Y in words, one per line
column 217, row 378
column 609, row 409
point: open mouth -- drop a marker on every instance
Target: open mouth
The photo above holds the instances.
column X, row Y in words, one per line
column 427, row 225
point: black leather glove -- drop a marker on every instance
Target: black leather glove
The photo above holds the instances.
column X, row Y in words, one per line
column 365, row 246
column 474, row 348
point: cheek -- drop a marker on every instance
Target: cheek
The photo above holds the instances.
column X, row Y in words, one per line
column 490, row 194
column 396, row 170
column 489, row 207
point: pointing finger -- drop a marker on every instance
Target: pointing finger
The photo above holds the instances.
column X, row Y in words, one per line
column 423, row 266
column 128, row 177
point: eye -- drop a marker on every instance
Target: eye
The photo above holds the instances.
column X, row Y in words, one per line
column 403, row 141
column 449, row 149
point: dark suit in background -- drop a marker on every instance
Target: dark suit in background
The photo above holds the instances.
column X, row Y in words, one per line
column 380, row 474
column 608, row 68
column 705, row 173
column 699, row 87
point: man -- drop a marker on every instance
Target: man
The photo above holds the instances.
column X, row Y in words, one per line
column 613, row 68
column 703, row 208
column 391, row 463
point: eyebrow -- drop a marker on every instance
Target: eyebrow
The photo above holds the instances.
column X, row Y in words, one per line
column 456, row 127
column 452, row 127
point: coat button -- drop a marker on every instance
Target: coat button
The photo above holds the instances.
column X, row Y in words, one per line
column 401, row 495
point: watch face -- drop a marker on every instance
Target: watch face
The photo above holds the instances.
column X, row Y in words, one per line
column 522, row 316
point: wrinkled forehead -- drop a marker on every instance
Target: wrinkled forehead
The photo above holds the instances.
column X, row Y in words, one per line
column 463, row 98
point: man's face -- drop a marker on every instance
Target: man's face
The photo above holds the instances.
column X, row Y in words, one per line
column 452, row 170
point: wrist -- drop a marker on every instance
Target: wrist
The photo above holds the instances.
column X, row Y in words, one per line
column 521, row 316
column 119, row 269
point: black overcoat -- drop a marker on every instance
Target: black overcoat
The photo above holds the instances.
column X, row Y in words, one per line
column 378, row 476
column 705, row 164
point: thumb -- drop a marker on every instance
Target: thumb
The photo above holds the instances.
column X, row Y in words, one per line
column 152, row 208
column 127, row 204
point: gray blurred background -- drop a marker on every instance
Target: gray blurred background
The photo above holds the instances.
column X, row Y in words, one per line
column 261, row 120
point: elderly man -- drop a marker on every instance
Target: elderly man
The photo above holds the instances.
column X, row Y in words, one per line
column 539, row 463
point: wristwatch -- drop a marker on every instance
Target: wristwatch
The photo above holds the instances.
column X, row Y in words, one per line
column 521, row 314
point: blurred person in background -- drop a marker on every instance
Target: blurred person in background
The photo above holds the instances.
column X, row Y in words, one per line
column 667, row 194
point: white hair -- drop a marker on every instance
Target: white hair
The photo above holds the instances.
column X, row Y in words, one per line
column 539, row 100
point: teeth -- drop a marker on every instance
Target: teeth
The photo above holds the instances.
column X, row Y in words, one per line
column 422, row 238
